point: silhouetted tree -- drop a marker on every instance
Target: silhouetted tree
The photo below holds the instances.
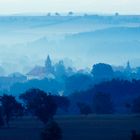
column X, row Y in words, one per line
column 19, row 109
column 102, row 103
column 57, row 14
column 51, row 85
column 9, row 105
column 1, row 118
column 70, row 13
column 121, row 91
column 78, row 82
column 136, row 105
column 62, row 102
column 52, row 131
column 128, row 107
column 84, row 108
column 39, row 104
column 134, row 135
column 60, row 70
column 102, row 71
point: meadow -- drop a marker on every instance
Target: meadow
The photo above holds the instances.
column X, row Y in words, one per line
column 92, row 127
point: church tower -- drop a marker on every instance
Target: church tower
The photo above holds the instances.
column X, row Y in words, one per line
column 128, row 67
column 128, row 70
column 48, row 66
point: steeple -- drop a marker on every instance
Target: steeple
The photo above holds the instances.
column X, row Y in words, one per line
column 48, row 65
column 128, row 67
column 48, row 62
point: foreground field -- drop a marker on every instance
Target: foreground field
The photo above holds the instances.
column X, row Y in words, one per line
column 107, row 127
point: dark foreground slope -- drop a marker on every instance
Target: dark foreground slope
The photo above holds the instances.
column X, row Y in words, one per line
column 76, row 128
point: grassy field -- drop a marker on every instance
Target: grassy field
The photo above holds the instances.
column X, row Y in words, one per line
column 104, row 127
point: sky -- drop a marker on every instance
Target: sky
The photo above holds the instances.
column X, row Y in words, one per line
column 94, row 6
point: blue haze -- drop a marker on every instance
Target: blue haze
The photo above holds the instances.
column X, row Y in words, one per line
column 25, row 41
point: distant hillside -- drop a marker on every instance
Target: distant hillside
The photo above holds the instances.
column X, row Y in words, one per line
column 112, row 33
column 89, row 39
column 114, row 45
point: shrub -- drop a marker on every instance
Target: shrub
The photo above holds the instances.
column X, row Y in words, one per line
column 52, row 131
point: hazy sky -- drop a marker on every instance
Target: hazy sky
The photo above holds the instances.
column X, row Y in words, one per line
column 95, row 6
